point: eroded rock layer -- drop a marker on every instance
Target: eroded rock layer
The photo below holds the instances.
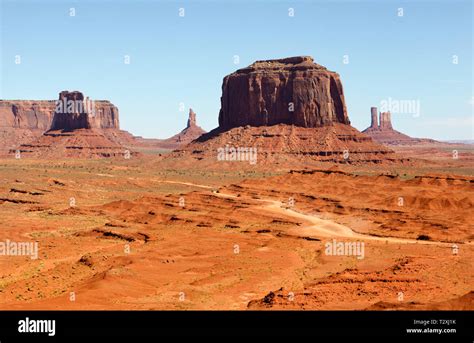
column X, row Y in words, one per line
column 80, row 143
column 283, row 146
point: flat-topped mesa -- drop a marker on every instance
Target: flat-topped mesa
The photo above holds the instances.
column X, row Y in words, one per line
column 282, row 64
column 294, row 91
column 74, row 111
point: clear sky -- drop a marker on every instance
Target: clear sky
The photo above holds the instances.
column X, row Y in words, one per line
column 421, row 56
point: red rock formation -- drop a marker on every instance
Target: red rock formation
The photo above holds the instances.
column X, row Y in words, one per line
column 74, row 111
column 187, row 135
column 79, row 143
column 255, row 115
column 23, row 124
column 292, row 90
column 80, row 128
column 284, row 146
column 23, row 121
column 384, row 132
column 374, row 122
column 386, row 121
column 34, row 114
column 191, row 119
column 38, row 114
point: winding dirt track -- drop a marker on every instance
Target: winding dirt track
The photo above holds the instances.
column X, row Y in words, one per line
column 317, row 227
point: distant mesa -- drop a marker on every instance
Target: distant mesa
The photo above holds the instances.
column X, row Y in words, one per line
column 38, row 114
column 78, row 127
column 382, row 131
column 292, row 110
column 74, row 111
column 294, row 91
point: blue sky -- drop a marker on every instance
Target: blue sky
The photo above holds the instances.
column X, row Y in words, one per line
column 176, row 59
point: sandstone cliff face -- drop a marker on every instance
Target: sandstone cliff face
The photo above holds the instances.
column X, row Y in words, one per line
column 292, row 90
column 34, row 115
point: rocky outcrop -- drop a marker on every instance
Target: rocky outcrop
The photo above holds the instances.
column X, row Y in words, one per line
column 386, row 121
column 39, row 114
column 283, row 146
column 79, row 143
column 191, row 119
column 186, row 136
column 72, row 126
column 374, row 124
column 74, row 111
column 285, row 112
column 385, row 134
column 23, row 121
column 78, row 128
column 291, row 90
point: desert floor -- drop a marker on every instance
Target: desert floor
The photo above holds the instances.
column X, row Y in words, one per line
column 139, row 234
